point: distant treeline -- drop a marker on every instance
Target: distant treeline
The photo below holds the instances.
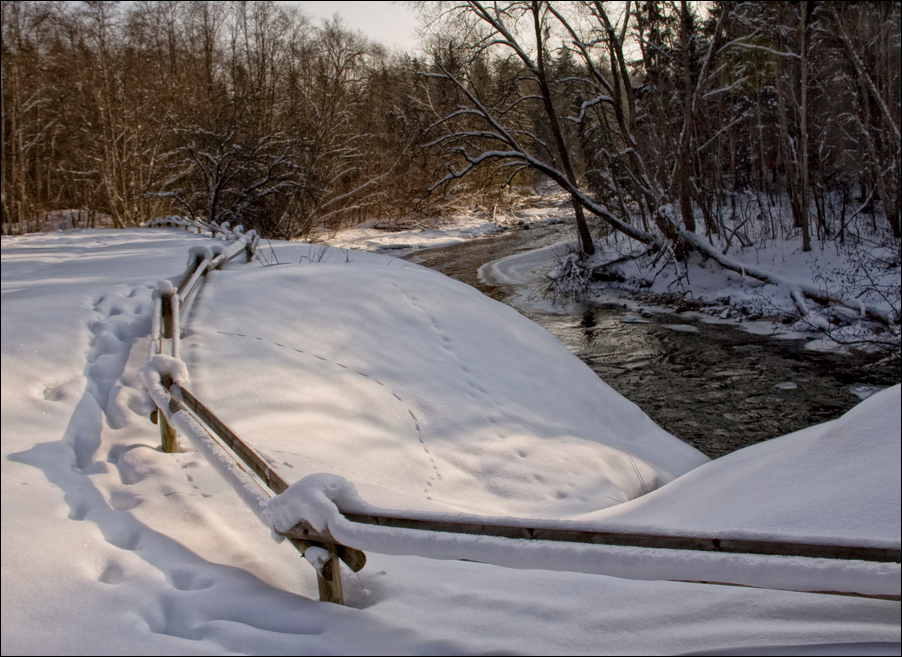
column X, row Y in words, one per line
column 656, row 114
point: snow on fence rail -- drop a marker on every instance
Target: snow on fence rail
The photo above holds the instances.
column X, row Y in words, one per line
column 321, row 514
column 168, row 301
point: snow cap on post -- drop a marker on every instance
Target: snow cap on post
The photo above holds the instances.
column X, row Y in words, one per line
column 198, row 253
column 170, row 366
column 164, row 289
column 152, row 374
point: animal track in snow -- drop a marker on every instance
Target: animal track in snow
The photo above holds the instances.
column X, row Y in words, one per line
column 445, row 342
column 436, row 472
column 62, row 391
column 113, row 574
column 189, row 579
column 124, row 500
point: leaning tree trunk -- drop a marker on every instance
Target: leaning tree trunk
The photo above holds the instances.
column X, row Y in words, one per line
column 586, row 245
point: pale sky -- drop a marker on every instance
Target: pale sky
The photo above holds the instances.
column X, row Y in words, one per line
column 392, row 24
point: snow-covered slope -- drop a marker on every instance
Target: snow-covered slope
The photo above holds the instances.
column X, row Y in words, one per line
column 834, row 483
column 405, row 381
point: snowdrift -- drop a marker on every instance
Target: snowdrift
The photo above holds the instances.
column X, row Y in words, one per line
column 419, row 390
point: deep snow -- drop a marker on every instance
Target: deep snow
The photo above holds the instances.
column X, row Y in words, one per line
column 411, row 387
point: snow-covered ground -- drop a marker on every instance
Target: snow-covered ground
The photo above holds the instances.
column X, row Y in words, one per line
column 426, row 397
column 372, row 237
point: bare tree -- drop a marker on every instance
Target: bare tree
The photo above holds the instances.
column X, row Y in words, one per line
column 585, row 27
column 869, row 32
column 520, row 147
column 219, row 177
column 610, row 96
column 27, row 120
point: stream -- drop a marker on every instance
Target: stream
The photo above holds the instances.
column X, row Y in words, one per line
column 715, row 386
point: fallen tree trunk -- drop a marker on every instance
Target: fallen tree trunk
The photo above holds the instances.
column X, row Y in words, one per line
column 683, row 241
column 798, row 291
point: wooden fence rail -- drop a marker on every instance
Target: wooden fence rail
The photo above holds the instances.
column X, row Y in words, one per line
column 167, row 325
column 623, row 539
column 303, row 536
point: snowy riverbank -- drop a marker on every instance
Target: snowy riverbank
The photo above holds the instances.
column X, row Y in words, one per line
column 411, row 387
column 704, row 291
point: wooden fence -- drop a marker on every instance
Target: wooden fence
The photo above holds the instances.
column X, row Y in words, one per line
column 303, row 536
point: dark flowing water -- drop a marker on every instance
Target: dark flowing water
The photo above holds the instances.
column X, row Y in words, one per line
column 719, row 389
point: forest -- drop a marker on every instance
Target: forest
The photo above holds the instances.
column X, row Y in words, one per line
column 688, row 127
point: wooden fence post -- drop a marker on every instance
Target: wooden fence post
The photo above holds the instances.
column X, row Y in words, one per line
column 168, row 436
column 329, row 578
column 249, row 250
column 167, row 314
